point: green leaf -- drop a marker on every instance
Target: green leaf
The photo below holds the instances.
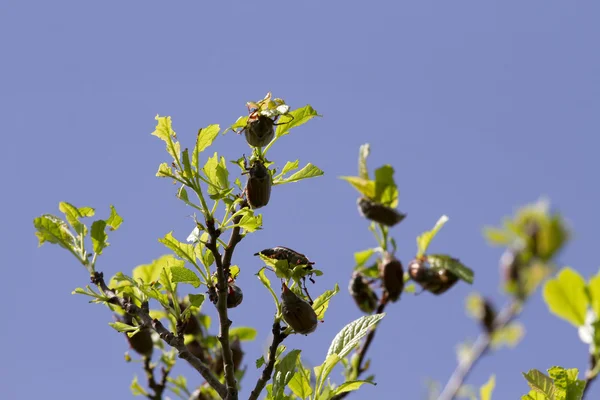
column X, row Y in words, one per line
column 99, row 236
column 300, row 117
column 351, row 334
column 364, row 186
column 121, row 327
column 196, row 300
column 148, row 273
column 386, row 191
column 136, row 388
column 425, row 238
column 244, row 333
column 497, row 236
column 541, row 383
column 204, row 139
column 510, row 335
column 594, row 291
column 114, row 220
column 300, row 382
column 165, row 132
column 284, row 371
column 164, row 171
column 444, row 261
column 485, row 392
column 72, row 215
column 363, row 153
column 241, row 122
column 566, row 296
column 182, row 250
column 184, row 275
column 260, row 362
column 288, row 167
column 267, row 283
column 250, row 222
column 361, row 257
column 321, row 303
column 187, row 166
column 533, row 395
column 308, row 171
column 566, row 380
column 350, row 386
column 322, row 371
column 54, row 230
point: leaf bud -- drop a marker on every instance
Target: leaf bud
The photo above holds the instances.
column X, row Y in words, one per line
column 297, row 313
column 378, row 212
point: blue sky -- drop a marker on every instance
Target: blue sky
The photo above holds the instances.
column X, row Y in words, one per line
column 479, row 106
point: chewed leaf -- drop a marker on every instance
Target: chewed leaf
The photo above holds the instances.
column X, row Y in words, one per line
column 425, row 238
column 364, row 186
column 54, row 230
column 321, row 303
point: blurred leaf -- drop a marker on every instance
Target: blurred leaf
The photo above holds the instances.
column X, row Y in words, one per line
column 321, row 303
column 136, row 388
column 165, row 132
column 485, row 392
column 452, row 264
column 425, row 238
column 594, row 291
column 364, row 186
column 151, row 272
column 99, row 236
column 260, row 362
column 300, row 117
column 300, row 382
column 363, row 153
column 386, row 191
column 204, row 139
column 566, row 296
column 474, row 305
column 284, row 372
column 308, row 171
column 351, row 334
column 510, row 335
column 361, row 257
column 244, row 333
column 350, row 386
column 184, row 275
column 54, row 230
column 497, row 236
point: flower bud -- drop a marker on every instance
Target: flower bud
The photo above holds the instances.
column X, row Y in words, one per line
column 361, row 292
column 297, row 313
column 234, row 295
column 378, row 212
column 259, row 131
column 392, row 276
column 258, row 187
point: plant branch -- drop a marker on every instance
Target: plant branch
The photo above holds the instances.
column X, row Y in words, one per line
column 223, row 263
column 591, row 374
column 477, row 350
column 278, row 337
column 362, row 353
column 157, row 388
column 147, row 321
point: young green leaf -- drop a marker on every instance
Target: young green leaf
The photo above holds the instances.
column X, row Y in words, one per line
column 165, row 132
column 284, row 372
column 361, row 257
column 350, row 386
column 72, row 216
column 187, row 166
column 425, row 238
column 485, row 392
column 300, row 117
column 184, row 275
column 260, row 362
column 308, row 171
column 240, row 123
column 244, row 333
column 364, row 186
column 267, row 283
column 114, row 220
column 386, row 191
column 99, row 236
column 196, row 300
column 54, row 230
column 288, row 167
column 182, row 250
column 148, row 273
column 351, row 334
column 510, row 335
column 164, row 171
column 121, row 327
column 594, row 290
column 204, row 139
column 566, row 296
column 566, row 381
column 321, row 303
column 300, row 382
column 136, row 388
column 363, row 153
column 250, row 222
column 541, row 383
column 444, row 261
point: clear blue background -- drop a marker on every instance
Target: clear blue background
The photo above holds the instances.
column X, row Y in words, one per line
column 479, row 106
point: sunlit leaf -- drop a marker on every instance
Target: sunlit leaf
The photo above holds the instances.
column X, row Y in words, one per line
column 184, row 275
column 386, row 191
column 510, row 335
column 349, row 336
column 204, row 139
column 425, row 238
column 295, row 118
column 363, row 153
column 566, row 296
column 244, row 333
column 99, row 236
column 364, row 186
column 361, row 257
column 54, row 230
column 164, row 131
column 308, row 171
column 321, row 303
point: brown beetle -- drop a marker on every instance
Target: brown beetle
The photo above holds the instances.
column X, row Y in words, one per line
column 378, row 212
column 260, row 130
column 434, row 280
column 392, row 276
column 258, row 187
column 361, row 292
column 297, row 313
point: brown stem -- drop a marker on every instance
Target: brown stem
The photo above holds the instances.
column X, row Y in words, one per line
column 477, row 350
column 278, row 337
column 146, row 320
column 590, row 375
column 157, row 388
column 362, row 353
column 223, row 263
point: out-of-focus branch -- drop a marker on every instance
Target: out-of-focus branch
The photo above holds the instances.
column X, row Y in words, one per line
column 146, row 320
column 590, row 375
column 278, row 337
column 362, row 353
column 223, row 263
column 477, row 350
column 157, row 387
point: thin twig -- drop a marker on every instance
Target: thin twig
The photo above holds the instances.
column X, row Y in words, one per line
column 157, row 388
column 590, row 375
column 477, row 350
column 223, row 264
column 362, row 353
column 278, row 337
column 147, row 321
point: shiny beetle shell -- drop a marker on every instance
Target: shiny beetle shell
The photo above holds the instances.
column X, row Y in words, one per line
column 297, row 313
column 378, row 212
column 259, row 131
column 392, row 276
column 258, row 187
column 436, row 281
column 234, row 296
column 363, row 295
column 284, row 253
